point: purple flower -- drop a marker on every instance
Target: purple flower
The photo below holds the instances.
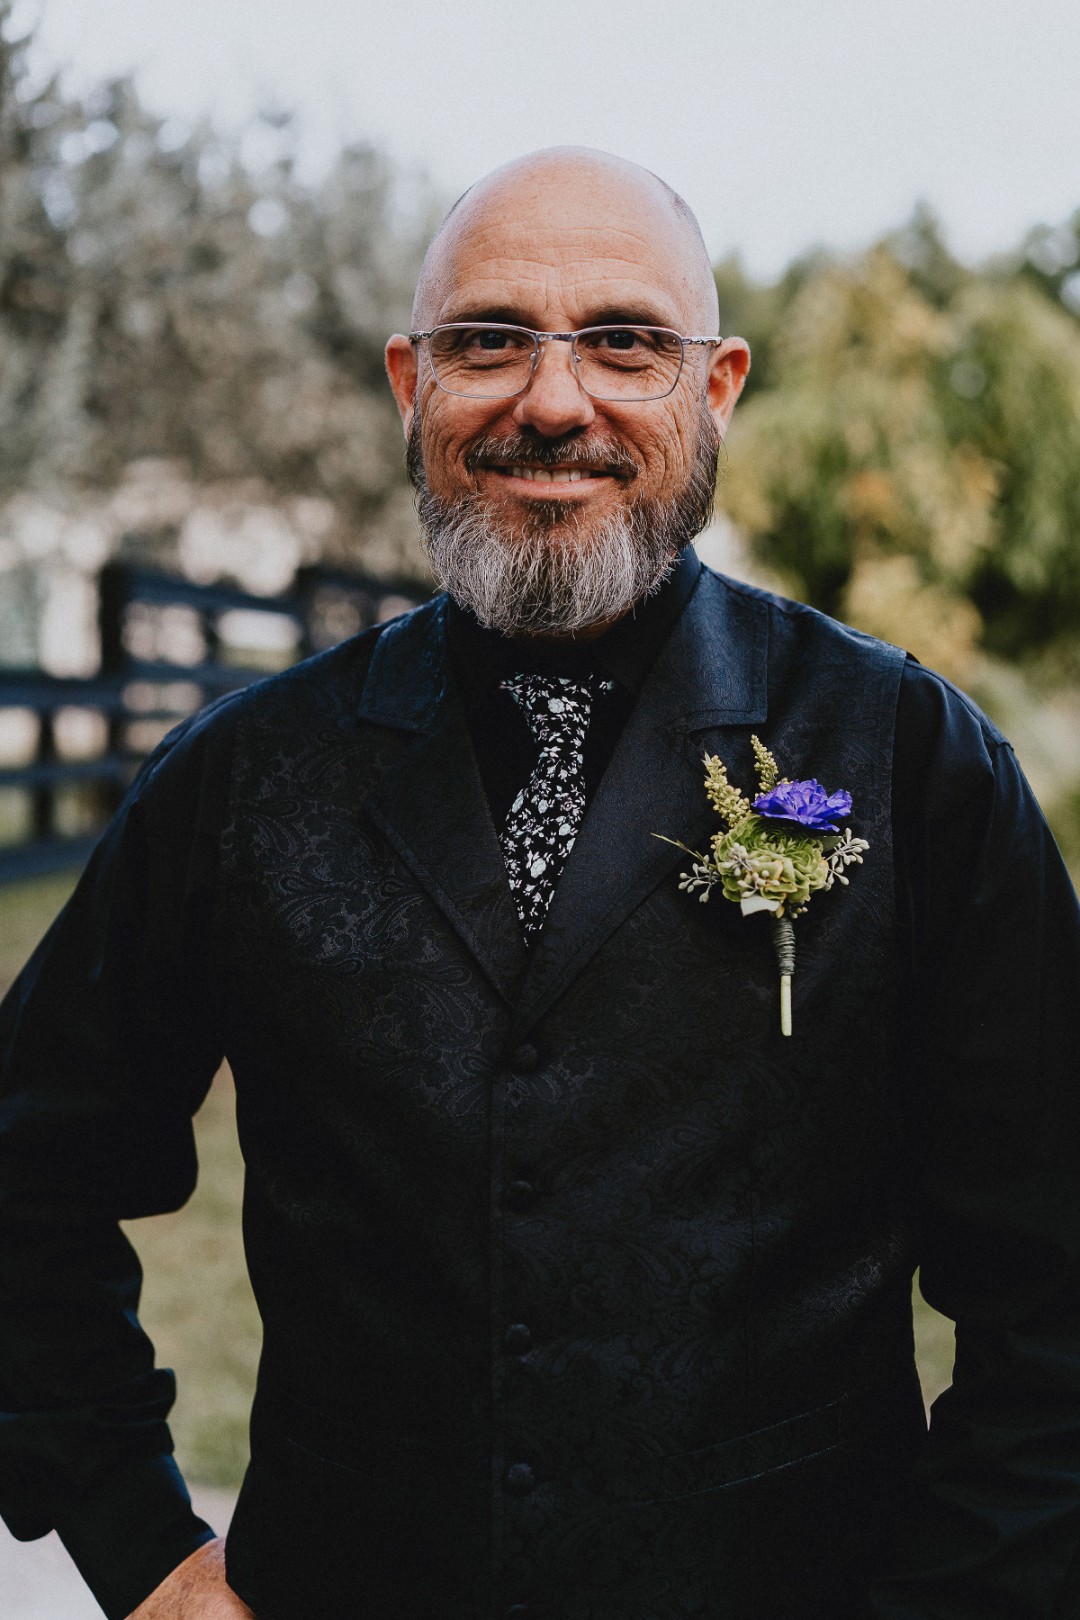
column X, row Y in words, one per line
column 805, row 803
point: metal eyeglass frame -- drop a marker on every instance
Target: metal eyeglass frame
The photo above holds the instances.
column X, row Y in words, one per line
column 561, row 337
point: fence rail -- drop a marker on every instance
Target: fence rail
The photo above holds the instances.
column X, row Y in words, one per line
column 166, row 649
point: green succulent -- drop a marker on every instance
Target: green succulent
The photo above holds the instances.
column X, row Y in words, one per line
column 757, row 861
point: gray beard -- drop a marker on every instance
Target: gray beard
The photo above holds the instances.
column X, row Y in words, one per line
column 554, row 572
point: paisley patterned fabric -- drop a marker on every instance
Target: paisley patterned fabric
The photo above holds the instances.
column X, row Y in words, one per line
column 544, row 818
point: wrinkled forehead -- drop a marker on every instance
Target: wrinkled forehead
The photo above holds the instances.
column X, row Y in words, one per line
column 558, row 250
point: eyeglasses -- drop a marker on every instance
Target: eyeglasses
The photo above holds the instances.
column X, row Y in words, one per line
column 487, row 360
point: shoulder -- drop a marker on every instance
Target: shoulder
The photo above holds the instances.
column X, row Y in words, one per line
column 949, row 756
column 946, row 751
column 931, row 701
column 323, row 690
column 925, row 694
column 794, row 627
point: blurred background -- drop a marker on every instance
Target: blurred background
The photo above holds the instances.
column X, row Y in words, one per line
column 210, row 219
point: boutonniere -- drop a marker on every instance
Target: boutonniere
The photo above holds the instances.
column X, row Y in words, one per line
column 775, row 852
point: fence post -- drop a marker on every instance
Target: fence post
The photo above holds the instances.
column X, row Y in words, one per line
column 114, row 594
column 43, row 800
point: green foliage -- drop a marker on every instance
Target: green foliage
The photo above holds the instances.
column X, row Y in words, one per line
column 726, row 799
column 26, row 910
column 910, row 462
column 1050, row 261
column 1024, row 423
column 768, row 771
column 197, row 1304
column 756, row 311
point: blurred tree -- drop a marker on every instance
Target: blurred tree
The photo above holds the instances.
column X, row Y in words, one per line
column 1050, row 261
column 42, row 325
column 755, row 310
column 905, row 455
column 1010, row 392
column 165, row 293
column 910, row 463
column 919, row 247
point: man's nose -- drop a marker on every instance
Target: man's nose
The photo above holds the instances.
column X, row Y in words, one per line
column 554, row 401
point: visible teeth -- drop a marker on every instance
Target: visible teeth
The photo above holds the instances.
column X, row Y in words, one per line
column 544, row 475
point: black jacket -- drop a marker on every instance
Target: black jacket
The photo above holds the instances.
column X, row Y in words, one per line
column 586, row 1295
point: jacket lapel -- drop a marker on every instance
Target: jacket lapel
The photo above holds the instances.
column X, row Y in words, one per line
column 431, row 803
column 708, row 685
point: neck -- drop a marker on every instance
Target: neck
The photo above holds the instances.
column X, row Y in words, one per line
column 588, row 632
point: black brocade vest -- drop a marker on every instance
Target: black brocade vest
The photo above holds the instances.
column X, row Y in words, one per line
column 586, row 1295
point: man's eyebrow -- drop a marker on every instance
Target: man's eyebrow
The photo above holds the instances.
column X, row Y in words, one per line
column 618, row 315
column 627, row 315
column 501, row 314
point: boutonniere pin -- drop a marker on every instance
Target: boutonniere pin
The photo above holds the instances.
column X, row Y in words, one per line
column 774, row 853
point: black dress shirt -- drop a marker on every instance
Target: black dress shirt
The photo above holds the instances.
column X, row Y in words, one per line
column 957, row 828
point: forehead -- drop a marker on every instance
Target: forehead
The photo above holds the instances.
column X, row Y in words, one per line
column 556, row 255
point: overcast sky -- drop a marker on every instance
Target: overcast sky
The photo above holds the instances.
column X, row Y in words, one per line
column 783, row 122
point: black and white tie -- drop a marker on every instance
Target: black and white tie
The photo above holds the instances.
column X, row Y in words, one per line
column 544, row 818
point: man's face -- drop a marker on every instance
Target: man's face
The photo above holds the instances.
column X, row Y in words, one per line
column 556, row 251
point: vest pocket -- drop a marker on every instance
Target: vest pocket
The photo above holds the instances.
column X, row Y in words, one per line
column 746, row 1456
column 311, row 1536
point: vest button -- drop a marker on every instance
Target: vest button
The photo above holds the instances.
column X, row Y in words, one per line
column 520, row 1479
column 520, row 1195
column 525, row 1058
column 517, row 1338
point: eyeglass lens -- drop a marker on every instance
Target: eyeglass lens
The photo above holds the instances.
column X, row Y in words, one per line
column 612, row 362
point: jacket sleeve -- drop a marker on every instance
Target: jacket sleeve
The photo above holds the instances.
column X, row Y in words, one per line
column 994, row 1072
column 108, row 1042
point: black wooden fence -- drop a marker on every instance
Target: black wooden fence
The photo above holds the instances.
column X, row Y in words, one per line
column 167, row 647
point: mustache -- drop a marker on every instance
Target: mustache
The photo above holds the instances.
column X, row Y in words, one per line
column 597, row 453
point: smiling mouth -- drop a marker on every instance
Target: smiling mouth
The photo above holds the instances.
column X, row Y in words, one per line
column 551, row 467
column 549, row 475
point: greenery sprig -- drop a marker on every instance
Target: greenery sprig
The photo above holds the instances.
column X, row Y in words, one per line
column 774, row 852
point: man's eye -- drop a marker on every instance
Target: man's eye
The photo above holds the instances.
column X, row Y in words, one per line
column 622, row 346
column 624, row 340
column 489, row 340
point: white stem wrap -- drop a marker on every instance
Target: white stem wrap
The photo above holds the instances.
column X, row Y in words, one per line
column 784, row 945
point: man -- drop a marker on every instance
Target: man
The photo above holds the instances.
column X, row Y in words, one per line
column 586, row 1292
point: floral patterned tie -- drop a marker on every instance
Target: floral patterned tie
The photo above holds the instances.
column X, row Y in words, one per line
column 544, row 818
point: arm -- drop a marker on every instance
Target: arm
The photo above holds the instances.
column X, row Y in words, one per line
column 108, row 1043
column 995, row 986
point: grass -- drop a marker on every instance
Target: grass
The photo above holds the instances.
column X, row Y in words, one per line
column 26, row 910
column 197, row 1305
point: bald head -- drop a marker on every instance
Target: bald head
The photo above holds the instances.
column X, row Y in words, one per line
column 568, row 205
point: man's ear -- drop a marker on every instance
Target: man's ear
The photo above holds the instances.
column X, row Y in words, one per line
column 727, row 373
column 401, row 368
